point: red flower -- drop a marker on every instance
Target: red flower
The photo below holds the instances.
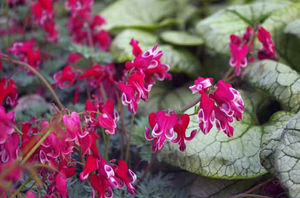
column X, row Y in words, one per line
column 268, row 50
column 128, row 97
column 206, row 114
column 229, row 100
column 238, row 57
column 7, row 124
column 100, row 184
column 126, row 175
column 75, row 6
column 10, row 149
column 221, row 104
column 65, row 78
column 90, row 166
column 61, row 184
column 141, row 73
column 162, row 124
column 201, row 85
column 108, row 117
column 26, row 53
column 44, row 15
column 136, row 50
column 240, row 47
column 8, row 90
column 74, row 57
column 180, row 128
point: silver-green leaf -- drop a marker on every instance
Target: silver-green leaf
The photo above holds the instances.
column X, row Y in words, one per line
column 276, row 79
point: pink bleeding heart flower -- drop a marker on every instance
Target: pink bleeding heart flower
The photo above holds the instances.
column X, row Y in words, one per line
column 74, row 57
column 108, row 117
column 90, row 166
column 206, row 114
column 7, row 124
column 180, row 128
column 136, row 50
column 127, row 176
column 128, row 97
column 221, row 105
column 268, row 51
column 65, row 78
column 27, row 53
column 9, row 151
column 101, row 185
column 162, row 124
column 238, row 57
column 8, row 90
column 136, row 81
column 201, row 85
column 229, row 100
column 61, row 184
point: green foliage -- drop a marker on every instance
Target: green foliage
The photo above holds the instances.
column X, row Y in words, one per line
column 145, row 14
column 293, row 28
column 277, row 80
column 181, row 38
column 90, row 53
column 287, row 45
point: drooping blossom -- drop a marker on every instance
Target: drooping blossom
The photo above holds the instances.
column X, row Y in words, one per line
column 180, row 128
column 141, row 73
column 106, row 176
column 221, row 105
column 44, row 15
column 240, row 47
column 75, row 6
column 127, row 176
column 162, row 124
column 65, row 78
column 26, row 52
column 268, row 50
column 108, row 117
column 201, row 85
column 8, row 90
column 7, row 124
column 73, row 58
column 84, row 27
column 90, row 166
column 9, row 150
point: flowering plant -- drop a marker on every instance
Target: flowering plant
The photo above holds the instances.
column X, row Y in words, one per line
column 84, row 97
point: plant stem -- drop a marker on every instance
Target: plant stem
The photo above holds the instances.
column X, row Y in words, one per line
column 246, row 193
column 35, row 72
column 127, row 154
column 106, row 147
column 229, row 71
column 190, row 105
column 21, row 187
column 148, row 167
column 123, row 129
column 36, row 146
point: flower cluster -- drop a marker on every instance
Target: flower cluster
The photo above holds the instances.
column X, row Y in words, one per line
column 8, row 90
column 84, row 27
column 27, row 53
column 242, row 46
column 44, row 15
column 108, row 176
column 219, row 104
column 140, row 75
column 164, row 126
